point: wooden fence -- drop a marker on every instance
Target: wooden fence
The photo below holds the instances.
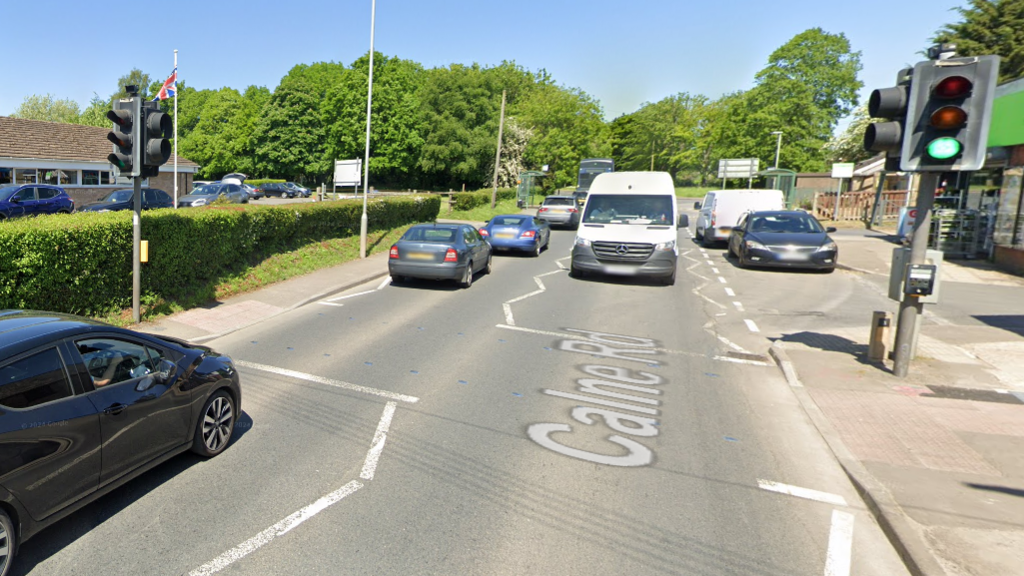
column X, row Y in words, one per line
column 857, row 205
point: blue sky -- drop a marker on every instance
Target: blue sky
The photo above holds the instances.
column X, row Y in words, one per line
column 623, row 53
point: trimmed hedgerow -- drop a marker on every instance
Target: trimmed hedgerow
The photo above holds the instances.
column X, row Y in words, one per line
column 81, row 263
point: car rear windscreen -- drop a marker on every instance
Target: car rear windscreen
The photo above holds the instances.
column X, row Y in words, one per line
column 559, row 201
column 430, row 235
column 508, row 221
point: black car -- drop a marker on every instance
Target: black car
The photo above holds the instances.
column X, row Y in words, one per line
column 86, row 407
column 279, row 190
column 152, row 198
column 783, row 238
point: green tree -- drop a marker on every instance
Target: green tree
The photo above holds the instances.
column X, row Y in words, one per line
column 222, row 140
column 289, row 136
column 95, row 114
column 990, row 27
column 849, row 145
column 47, row 108
column 137, row 78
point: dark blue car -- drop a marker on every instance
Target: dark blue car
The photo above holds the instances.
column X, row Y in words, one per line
column 34, row 199
column 520, row 232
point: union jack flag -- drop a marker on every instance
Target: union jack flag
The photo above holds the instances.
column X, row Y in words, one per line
column 168, row 90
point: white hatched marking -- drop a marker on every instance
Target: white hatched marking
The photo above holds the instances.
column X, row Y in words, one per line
column 328, row 381
column 508, row 314
column 806, row 493
column 377, row 446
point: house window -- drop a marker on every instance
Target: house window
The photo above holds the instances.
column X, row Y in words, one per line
column 48, row 176
column 69, row 177
column 90, row 177
column 104, row 178
column 6, row 176
column 25, row 176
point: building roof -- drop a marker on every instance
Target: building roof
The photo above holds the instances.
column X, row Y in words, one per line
column 35, row 139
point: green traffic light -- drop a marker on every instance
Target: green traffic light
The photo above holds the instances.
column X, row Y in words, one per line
column 944, row 148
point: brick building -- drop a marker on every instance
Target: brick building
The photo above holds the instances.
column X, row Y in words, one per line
column 73, row 157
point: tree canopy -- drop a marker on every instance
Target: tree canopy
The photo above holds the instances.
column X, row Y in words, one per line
column 990, row 27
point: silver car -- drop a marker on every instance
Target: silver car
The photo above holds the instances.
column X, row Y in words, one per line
column 440, row 252
column 560, row 211
column 211, row 192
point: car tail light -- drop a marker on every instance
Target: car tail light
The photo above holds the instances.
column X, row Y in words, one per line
column 542, row 209
column 573, row 210
column 712, row 218
column 394, row 252
column 484, row 232
column 451, row 255
column 529, row 234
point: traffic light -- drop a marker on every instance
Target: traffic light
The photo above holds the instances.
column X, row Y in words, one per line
column 157, row 127
column 125, row 136
column 949, row 114
column 890, row 104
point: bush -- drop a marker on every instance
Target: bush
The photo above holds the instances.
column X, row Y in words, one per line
column 470, row 200
column 81, row 263
column 258, row 181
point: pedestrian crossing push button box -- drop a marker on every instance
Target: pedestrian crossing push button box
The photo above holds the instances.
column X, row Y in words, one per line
column 898, row 288
column 920, row 279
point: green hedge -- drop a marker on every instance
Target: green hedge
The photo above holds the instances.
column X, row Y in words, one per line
column 81, row 263
column 258, row 181
column 470, row 200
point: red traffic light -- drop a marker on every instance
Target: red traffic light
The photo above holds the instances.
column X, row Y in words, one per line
column 948, row 118
column 122, row 118
column 953, row 87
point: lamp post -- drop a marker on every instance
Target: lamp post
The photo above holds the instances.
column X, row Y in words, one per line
column 778, row 148
column 366, row 166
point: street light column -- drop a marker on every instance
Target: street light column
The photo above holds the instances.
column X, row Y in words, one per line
column 366, row 167
column 778, row 148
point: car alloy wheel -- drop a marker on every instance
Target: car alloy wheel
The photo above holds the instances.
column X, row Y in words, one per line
column 467, row 277
column 216, row 425
column 6, row 543
column 536, row 249
column 487, row 269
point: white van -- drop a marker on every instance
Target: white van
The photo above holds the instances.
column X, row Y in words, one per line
column 722, row 209
column 629, row 227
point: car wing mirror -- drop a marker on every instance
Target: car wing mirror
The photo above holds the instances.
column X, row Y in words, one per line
column 684, row 221
column 830, row 229
column 696, row 205
column 145, row 384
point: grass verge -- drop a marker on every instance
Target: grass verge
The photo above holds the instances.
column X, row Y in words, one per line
column 271, row 269
column 693, row 191
column 480, row 213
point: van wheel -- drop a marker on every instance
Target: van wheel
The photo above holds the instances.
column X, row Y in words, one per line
column 706, row 242
column 700, row 235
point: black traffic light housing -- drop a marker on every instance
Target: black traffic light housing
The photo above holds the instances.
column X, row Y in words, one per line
column 125, row 137
column 157, row 129
column 949, row 114
column 890, row 104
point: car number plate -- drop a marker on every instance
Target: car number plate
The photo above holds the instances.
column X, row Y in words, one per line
column 793, row 256
column 421, row 256
column 504, row 236
column 558, row 210
column 620, row 269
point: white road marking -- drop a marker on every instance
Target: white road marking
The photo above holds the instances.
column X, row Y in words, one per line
column 697, row 292
column 740, row 361
column 722, row 280
column 806, row 493
column 328, row 381
column 729, row 292
column 713, row 269
column 350, row 295
column 280, row 529
column 508, row 314
column 547, row 274
column 750, row 325
column 385, row 282
column 692, row 266
column 377, row 446
column 731, row 344
column 840, row 544
column 329, row 303
column 572, row 336
column 738, row 305
column 525, row 296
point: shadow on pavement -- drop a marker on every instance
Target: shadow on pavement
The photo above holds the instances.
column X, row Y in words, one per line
column 832, row 343
column 1009, row 322
column 992, row 488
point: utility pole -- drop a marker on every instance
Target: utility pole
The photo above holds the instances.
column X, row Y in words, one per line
column 497, row 155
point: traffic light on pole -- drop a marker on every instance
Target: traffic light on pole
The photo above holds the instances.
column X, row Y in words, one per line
column 949, row 114
column 157, row 128
column 125, row 137
column 890, row 104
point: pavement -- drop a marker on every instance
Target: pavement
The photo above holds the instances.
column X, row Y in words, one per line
column 937, row 456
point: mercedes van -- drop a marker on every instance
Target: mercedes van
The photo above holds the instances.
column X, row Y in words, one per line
column 722, row 209
column 629, row 227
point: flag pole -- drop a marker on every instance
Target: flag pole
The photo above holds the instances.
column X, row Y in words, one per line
column 175, row 129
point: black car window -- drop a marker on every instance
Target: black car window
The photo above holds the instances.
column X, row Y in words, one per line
column 161, row 196
column 110, row 361
column 149, row 196
column 46, row 193
column 509, row 221
column 467, row 235
column 233, row 189
column 561, row 201
column 34, row 380
column 25, row 194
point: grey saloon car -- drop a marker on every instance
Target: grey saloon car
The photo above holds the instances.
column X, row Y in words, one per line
column 560, row 211
column 440, row 252
column 211, row 192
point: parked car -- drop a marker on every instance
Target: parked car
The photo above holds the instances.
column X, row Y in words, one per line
column 87, row 407
column 560, row 210
column 298, row 190
column 123, row 200
column 234, row 178
column 581, row 198
column 253, row 192
column 33, row 200
column 201, row 183
column 721, row 210
column 440, row 252
column 517, row 232
column 783, row 238
column 279, row 190
column 211, row 192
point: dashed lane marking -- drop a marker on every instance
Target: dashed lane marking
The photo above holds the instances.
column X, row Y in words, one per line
column 330, row 303
column 840, row 544
column 805, row 493
column 729, row 292
column 327, row 381
column 722, row 280
column 738, row 305
column 750, row 325
column 714, row 270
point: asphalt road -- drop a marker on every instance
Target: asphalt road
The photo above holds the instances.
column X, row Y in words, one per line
column 425, row 429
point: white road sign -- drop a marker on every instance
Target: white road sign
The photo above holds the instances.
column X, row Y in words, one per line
column 738, row 167
column 348, row 172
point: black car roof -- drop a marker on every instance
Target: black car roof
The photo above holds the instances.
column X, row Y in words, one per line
column 24, row 329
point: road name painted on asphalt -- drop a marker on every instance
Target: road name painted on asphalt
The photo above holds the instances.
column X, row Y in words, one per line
column 599, row 379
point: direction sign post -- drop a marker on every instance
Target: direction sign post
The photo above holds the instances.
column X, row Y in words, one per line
column 347, row 173
column 841, row 170
column 738, row 168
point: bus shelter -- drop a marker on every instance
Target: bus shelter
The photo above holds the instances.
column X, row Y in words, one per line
column 529, row 184
column 779, row 179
